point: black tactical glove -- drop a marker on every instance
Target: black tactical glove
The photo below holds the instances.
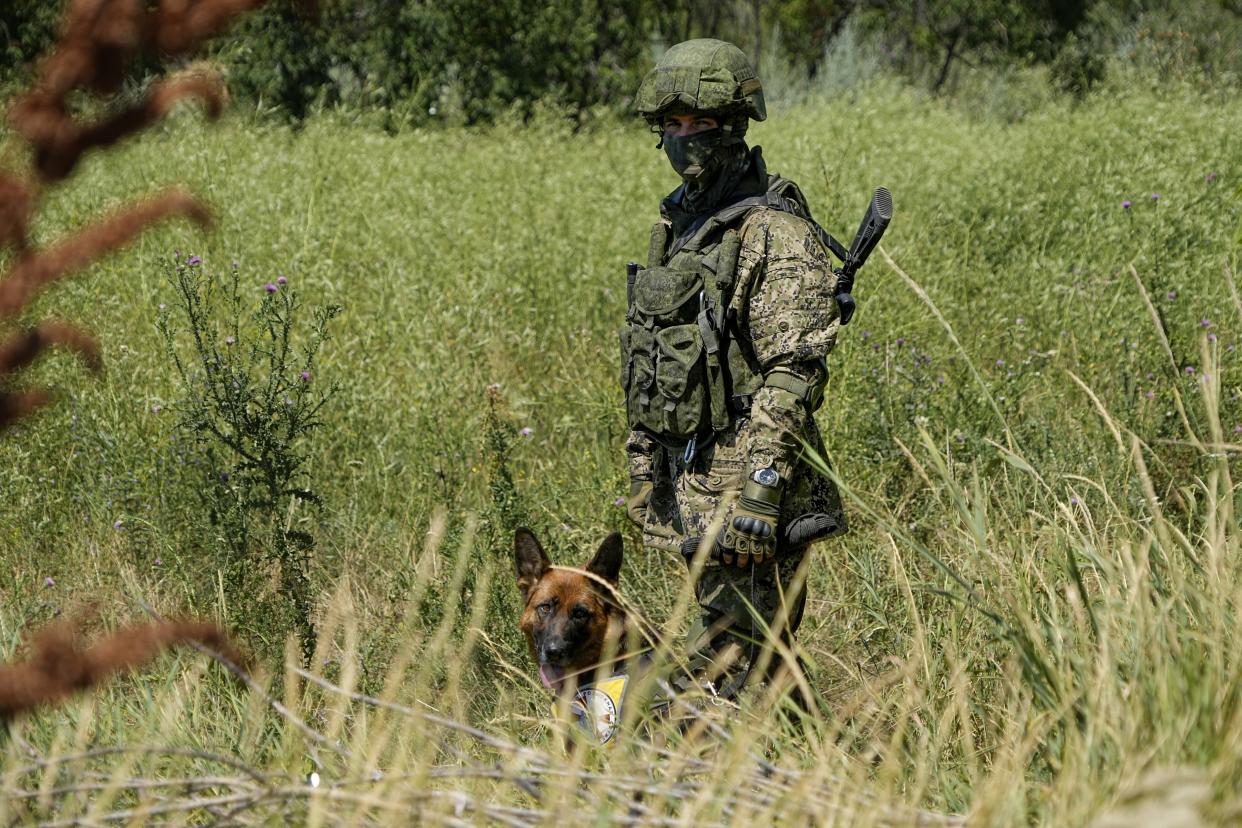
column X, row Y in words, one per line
column 636, row 503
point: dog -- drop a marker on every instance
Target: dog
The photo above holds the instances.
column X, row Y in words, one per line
column 571, row 618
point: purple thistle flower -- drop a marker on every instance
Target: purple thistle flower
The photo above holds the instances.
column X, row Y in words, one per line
column 1237, row 429
column 281, row 280
column 1205, row 322
column 158, row 562
column 1209, row 178
column 1211, row 337
column 901, row 340
column 1172, row 294
column 155, row 409
column 194, row 261
column 1189, row 370
column 620, row 501
column 1150, row 375
column 270, row 288
column 526, row 431
column 116, row 524
column 1149, row 394
column 49, row 581
column 1000, row 363
column 1074, row 501
column 1125, row 205
column 224, row 477
column 1155, row 196
column 305, row 375
column 229, row 340
column 1021, row 320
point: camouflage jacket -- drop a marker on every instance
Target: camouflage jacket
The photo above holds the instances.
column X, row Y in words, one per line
column 782, row 305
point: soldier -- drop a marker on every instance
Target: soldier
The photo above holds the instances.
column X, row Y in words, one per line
column 723, row 365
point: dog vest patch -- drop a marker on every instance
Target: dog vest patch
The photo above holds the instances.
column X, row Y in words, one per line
column 596, row 708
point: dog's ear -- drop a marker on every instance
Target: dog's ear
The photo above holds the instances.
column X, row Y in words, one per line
column 529, row 560
column 607, row 561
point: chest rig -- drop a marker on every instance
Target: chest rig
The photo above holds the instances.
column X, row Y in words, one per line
column 685, row 371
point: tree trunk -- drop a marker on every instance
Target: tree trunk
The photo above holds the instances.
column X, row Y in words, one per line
column 949, row 54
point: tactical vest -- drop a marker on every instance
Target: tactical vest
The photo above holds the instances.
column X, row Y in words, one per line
column 684, row 371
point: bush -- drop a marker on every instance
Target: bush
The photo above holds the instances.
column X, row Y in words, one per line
column 249, row 402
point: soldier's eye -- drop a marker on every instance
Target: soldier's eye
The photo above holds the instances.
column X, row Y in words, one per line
column 543, row 609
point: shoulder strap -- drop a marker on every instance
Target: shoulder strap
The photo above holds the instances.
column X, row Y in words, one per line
column 782, row 194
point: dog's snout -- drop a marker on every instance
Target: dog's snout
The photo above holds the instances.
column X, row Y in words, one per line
column 554, row 650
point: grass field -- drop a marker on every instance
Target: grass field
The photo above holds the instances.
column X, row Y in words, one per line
column 1035, row 414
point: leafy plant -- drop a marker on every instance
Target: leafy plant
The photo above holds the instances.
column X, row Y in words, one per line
column 249, row 402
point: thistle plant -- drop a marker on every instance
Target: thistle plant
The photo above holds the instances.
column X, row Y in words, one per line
column 250, row 399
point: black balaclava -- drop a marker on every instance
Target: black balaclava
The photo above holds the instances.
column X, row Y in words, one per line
column 711, row 164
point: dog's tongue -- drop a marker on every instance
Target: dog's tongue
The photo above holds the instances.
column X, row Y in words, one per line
column 551, row 676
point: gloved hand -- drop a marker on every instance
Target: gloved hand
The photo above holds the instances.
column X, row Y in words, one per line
column 636, row 503
column 750, row 534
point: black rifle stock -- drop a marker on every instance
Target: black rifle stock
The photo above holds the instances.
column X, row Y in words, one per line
column 874, row 223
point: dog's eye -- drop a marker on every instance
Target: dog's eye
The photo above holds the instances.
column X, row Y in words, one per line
column 543, row 609
column 580, row 614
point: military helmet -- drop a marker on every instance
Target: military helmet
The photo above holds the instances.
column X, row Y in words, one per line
column 702, row 75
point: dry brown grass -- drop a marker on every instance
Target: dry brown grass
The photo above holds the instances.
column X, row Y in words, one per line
column 101, row 42
column 61, row 665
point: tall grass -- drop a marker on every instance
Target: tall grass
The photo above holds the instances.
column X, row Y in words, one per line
column 1031, row 621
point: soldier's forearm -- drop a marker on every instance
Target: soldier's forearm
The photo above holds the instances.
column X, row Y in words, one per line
column 779, row 417
column 640, row 454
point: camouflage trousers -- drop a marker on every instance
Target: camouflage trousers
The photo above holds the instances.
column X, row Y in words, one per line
column 744, row 612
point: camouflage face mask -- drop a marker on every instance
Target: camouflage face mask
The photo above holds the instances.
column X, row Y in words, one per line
column 693, row 155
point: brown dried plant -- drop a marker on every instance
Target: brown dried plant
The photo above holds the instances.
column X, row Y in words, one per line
column 60, row 665
column 101, row 44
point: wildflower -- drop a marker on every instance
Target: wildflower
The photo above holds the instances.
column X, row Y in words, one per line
column 116, row 524
column 1189, row 370
column 1211, row 337
column 155, row 409
column 620, row 501
column 940, row 380
column 1073, row 501
column 901, row 340
column 1149, row 394
column 163, row 306
column 1000, row 363
column 305, row 375
column 1125, row 205
column 282, row 280
column 224, row 477
column 1205, row 322
column 494, row 388
column 229, row 340
column 158, row 562
column 270, row 288
column 1021, row 320
column 526, row 431
column 49, row 581
column 1155, row 196
column 866, row 334
column 1150, row 376
column 194, row 261
column 1172, row 294
column 1237, row 429
column 235, row 264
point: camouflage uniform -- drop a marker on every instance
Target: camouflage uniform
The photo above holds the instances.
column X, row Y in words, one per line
column 782, row 314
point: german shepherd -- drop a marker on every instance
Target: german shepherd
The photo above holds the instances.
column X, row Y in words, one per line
column 571, row 618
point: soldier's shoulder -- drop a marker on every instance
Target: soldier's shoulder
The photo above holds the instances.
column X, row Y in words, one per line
column 773, row 233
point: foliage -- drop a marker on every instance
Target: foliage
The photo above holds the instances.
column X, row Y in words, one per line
column 1033, row 616
column 250, row 400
